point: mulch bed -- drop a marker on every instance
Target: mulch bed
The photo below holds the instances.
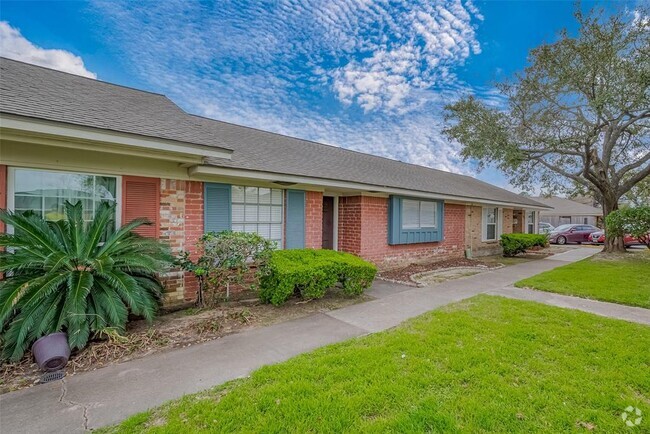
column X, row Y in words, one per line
column 404, row 274
column 174, row 330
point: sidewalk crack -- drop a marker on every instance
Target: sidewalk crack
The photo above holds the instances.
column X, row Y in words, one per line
column 84, row 407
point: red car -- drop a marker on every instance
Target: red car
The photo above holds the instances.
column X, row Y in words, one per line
column 572, row 234
column 599, row 238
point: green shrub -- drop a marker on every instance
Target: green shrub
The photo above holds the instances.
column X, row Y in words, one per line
column 310, row 273
column 513, row 244
column 633, row 221
column 222, row 259
column 74, row 277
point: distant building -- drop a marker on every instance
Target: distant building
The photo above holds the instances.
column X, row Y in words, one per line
column 567, row 211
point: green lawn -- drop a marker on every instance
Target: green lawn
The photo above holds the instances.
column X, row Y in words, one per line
column 623, row 279
column 488, row 364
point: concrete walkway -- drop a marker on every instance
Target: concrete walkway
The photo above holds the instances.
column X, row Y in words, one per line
column 111, row 394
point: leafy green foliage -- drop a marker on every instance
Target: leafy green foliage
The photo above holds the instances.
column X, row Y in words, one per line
column 621, row 278
column 514, row 244
column 72, row 277
column 633, row 221
column 485, row 365
column 224, row 258
column 311, row 273
column 578, row 115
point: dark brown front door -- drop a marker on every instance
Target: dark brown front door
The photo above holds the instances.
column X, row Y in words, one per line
column 328, row 222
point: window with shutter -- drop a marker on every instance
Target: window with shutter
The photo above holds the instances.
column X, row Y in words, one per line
column 141, row 198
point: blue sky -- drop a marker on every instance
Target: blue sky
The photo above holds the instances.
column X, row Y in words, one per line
column 367, row 75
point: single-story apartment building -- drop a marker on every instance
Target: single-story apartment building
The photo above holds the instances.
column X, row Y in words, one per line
column 565, row 211
column 66, row 137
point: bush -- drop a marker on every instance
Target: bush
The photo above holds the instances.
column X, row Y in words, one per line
column 224, row 258
column 513, row 244
column 633, row 221
column 310, row 273
column 74, row 277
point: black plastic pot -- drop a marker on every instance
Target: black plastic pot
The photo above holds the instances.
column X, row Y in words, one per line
column 52, row 351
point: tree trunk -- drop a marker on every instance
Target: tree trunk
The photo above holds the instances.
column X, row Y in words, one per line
column 612, row 244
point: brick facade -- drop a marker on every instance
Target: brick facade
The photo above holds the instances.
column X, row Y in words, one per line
column 181, row 225
column 313, row 219
column 363, row 230
column 474, row 234
column 3, row 192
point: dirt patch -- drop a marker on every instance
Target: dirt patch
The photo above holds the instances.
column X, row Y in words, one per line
column 175, row 330
column 405, row 274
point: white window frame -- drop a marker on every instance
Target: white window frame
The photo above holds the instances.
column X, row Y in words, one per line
column 527, row 214
column 11, row 188
column 419, row 227
column 498, row 216
column 282, row 206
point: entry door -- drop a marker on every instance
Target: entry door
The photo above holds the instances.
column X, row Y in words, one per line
column 328, row 222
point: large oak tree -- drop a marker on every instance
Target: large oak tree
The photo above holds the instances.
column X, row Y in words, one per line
column 577, row 116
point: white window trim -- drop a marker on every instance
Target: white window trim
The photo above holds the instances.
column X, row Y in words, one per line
column 499, row 224
column 527, row 213
column 11, row 189
column 283, row 206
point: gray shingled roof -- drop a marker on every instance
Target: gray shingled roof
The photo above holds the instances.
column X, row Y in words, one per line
column 567, row 207
column 37, row 92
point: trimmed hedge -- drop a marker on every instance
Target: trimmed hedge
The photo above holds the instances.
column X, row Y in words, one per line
column 513, row 244
column 310, row 273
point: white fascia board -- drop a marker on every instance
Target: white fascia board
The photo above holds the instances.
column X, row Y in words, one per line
column 19, row 125
column 206, row 171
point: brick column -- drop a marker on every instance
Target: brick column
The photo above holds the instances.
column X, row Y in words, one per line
column 349, row 233
column 313, row 219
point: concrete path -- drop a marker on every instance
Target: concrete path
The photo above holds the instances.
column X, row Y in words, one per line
column 111, row 394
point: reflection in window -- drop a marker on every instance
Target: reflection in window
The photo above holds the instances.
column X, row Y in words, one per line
column 45, row 192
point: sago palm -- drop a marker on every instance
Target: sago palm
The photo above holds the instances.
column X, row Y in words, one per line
column 75, row 277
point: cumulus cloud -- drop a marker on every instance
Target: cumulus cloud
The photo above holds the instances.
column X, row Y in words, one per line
column 13, row 45
column 367, row 75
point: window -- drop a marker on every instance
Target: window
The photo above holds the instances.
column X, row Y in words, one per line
column 257, row 209
column 45, row 192
column 490, row 224
column 585, row 221
column 530, row 222
column 418, row 214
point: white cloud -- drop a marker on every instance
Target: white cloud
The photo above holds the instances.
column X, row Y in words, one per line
column 365, row 75
column 13, row 45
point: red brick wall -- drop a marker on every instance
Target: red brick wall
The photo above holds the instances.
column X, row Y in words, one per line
column 363, row 230
column 313, row 219
column 181, row 225
column 3, row 192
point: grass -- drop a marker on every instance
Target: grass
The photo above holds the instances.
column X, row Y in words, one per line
column 487, row 364
column 622, row 279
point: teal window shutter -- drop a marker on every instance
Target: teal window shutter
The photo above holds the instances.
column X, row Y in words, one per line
column 295, row 219
column 216, row 206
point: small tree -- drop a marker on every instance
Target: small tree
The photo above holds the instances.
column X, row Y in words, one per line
column 225, row 258
column 633, row 221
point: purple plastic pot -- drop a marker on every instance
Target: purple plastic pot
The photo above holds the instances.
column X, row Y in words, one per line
column 52, row 351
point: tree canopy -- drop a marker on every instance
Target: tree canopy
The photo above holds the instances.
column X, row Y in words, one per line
column 577, row 117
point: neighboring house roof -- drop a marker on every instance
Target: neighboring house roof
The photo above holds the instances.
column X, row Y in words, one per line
column 37, row 92
column 567, row 207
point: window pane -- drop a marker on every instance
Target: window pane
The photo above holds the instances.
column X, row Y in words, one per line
column 264, row 230
column 250, row 228
column 27, row 202
column 251, row 194
column 491, row 215
column 237, row 213
column 265, row 213
column 238, row 228
column 265, row 195
column 237, row 194
column 54, row 210
column 105, row 187
column 276, row 196
column 427, row 214
column 410, row 214
column 276, row 232
column 491, row 232
column 251, row 212
column 276, row 214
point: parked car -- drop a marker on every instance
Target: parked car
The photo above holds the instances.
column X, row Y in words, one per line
column 599, row 238
column 572, row 234
column 545, row 228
